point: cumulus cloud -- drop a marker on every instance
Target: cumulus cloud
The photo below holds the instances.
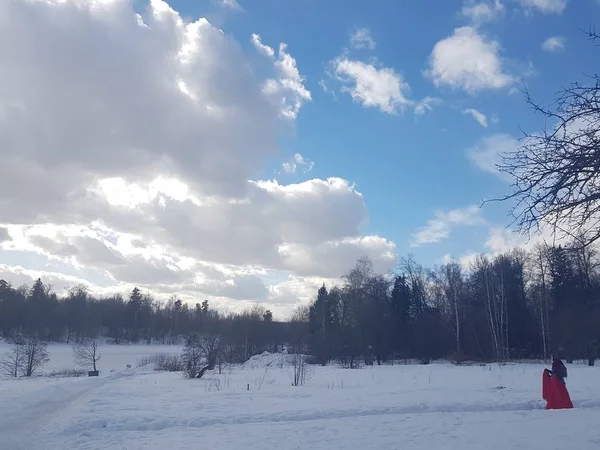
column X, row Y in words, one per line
column 160, row 95
column 262, row 48
column 554, row 44
column 130, row 141
column 362, row 39
column 478, row 116
column 252, row 231
column 373, row 87
column 439, row 228
column 468, row 60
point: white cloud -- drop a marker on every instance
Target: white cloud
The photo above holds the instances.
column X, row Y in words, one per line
column 287, row 89
column 546, row 6
column 372, row 87
column 327, row 89
column 478, row 116
column 18, row 276
column 466, row 260
column 298, row 162
column 135, row 121
column 330, row 258
column 439, row 228
column 482, row 11
column 554, row 44
column 231, row 4
column 486, row 153
column 142, row 173
column 262, row 48
column 362, row 39
column 426, row 104
column 469, row 61
column 502, row 240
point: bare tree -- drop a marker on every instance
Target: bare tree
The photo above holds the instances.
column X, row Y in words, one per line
column 210, row 346
column 557, row 172
column 86, row 353
column 35, row 355
column 12, row 361
column 539, row 266
column 489, row 279
column 451, row 281
column 193, row 357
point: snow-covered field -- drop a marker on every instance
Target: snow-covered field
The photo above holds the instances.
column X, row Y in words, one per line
column 430, row 407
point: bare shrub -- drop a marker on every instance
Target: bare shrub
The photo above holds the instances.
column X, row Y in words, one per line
column 87, row 353
column 170, row 363
column 300, row 369
column 68, row 373
column 350, row 362
column 214, row 385
column 164, row 362
column 262, row 379
column 459, row 358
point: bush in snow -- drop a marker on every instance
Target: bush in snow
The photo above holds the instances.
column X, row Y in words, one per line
column 68, row 373
column 193, row 357
column 163, row 362
column 211, row 349
column 299, row 366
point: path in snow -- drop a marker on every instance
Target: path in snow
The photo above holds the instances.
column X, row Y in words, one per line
column 32, row 404
column 434, row 407
column 23, row 419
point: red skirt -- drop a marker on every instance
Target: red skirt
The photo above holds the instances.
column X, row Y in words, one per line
column 554, row 391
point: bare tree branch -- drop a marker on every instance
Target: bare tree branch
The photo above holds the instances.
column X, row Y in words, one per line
column 556, row 172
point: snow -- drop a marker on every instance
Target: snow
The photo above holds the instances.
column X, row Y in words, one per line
column 267, row 359
column 255, row 406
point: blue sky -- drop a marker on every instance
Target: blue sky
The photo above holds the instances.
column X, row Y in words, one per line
column 254, row 155
column 409, row 167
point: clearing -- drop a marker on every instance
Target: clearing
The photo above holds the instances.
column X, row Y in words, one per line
column 438, row 406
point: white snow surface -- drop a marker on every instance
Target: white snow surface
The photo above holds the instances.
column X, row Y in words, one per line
column 255, row 406
column 267, row 359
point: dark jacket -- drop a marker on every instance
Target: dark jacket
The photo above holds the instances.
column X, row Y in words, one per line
column 558, row 369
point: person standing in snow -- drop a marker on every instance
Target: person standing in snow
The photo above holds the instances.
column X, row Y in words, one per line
column 554, row 389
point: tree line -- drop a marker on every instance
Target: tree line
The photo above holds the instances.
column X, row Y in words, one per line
column 40, row 312
column 516, row 305
column 510, row 306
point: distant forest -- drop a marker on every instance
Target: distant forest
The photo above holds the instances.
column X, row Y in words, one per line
column 512, row 306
